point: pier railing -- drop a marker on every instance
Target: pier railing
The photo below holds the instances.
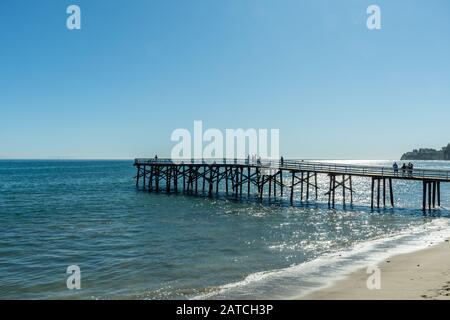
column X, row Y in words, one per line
column 310, row 166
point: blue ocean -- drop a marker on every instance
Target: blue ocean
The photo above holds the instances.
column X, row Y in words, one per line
column 132, row 244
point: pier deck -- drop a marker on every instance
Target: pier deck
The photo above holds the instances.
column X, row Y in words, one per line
column 235, row 174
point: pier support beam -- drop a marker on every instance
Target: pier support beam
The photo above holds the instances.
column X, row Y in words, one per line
column 157, row 178
column 175, row 179
column 217, row 171
column 144, row 174
column 281, row 183
column 391, row 192
column 335, row 184
column 241, row 179
column 381, row 184
column 307, row 186
column 439, row 193
column 210, row 190
column 434, row 193
column 292, row 188
column 316, row 186
column 184, row 178
column 226, row 180
column 138, row 173
column 431, row 193
column 248, row 180
column 150, row 180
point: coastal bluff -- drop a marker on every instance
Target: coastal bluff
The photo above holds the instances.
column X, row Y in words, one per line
column 428, row 154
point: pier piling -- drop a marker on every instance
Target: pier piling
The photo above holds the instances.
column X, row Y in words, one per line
column 236, row 173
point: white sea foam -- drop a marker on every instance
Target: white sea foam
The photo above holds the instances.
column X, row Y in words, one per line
column 301, row 279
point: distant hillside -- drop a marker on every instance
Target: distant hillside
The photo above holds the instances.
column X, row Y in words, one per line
column 428, row 154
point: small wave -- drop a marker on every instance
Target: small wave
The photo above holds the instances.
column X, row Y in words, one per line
column 299, row 280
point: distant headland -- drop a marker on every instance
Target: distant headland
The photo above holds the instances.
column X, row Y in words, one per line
column 428, row 154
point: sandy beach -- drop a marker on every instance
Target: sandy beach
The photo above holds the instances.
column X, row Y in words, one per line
column 423, row 274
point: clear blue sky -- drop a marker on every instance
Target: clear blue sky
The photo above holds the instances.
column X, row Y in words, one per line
column 139, row 69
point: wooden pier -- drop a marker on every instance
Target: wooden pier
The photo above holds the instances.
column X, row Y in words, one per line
column 295, row 178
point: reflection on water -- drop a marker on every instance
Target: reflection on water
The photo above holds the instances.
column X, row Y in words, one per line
column 137, row 245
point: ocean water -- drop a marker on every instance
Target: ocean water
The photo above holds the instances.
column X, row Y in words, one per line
column 132, row 244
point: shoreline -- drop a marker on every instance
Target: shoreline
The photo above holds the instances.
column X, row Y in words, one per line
column 302, row 281
column 419, row 275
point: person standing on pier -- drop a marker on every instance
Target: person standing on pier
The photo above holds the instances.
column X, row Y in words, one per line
column 410, row 169
column 403, row 169
column 395, row 166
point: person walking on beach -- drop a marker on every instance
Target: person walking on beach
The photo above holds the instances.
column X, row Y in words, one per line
column 395, row 168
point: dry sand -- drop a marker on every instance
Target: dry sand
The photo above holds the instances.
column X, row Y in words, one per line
column 423, row 274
